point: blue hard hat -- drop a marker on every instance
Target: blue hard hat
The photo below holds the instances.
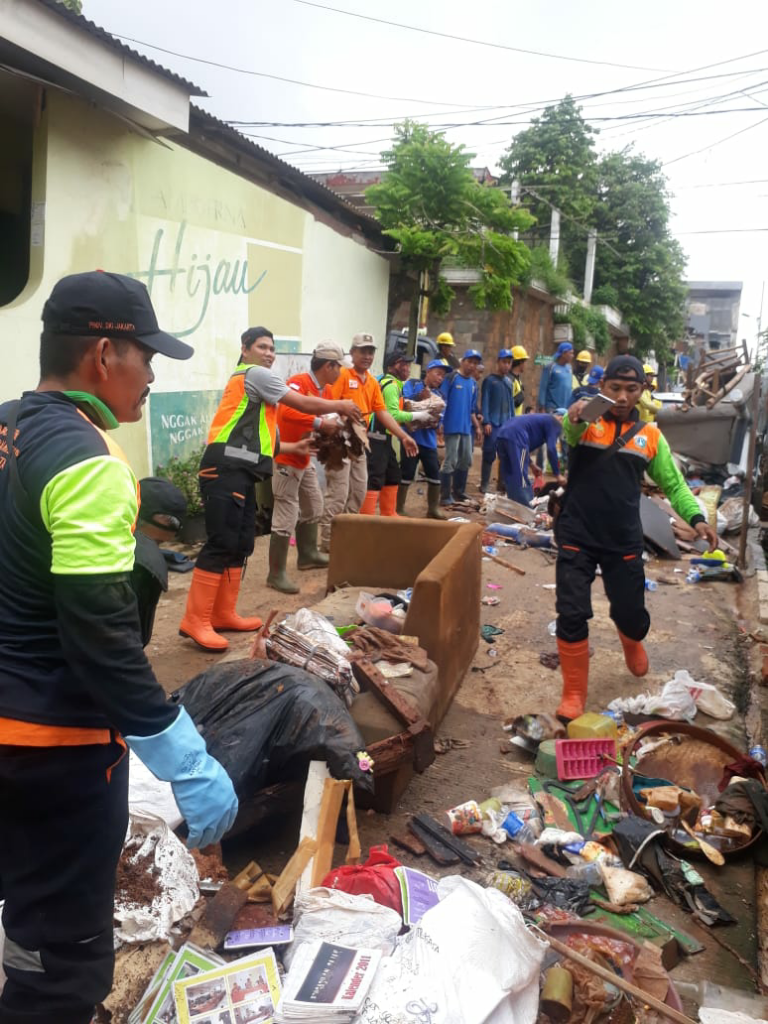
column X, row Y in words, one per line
column 505, row 353
column 437, row 364
column 564, row 346
column 472, row 353
column 595, row 375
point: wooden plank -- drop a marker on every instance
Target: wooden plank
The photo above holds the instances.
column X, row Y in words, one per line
column 439, row 832
column 353, row 851
column 438, row 851
column 369, row 678
column 313, row 798
column 283, row 889
column 333, row 794
column 410, row 843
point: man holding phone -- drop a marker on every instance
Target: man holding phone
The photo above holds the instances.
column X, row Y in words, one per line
column 599, row 524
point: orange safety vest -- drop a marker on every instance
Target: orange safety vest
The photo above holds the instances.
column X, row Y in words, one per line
column 245, row 428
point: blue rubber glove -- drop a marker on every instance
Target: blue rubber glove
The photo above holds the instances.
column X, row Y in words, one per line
column 203, row 790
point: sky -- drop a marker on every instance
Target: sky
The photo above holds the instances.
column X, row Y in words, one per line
column 582, row 48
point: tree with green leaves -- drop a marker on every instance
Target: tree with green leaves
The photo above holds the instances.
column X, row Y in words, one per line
column 642, row 260
column 623, row 195
column 555, row 163
column 431, row 205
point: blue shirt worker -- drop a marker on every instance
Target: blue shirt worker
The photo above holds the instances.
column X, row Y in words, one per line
column 517, row 439
column 497, row 406
column 459, row 391
column 557, row 380
column 591, row 387
column 417, row 391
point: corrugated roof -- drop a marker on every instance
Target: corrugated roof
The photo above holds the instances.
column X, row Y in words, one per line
column 99, row 33
column 320, row 194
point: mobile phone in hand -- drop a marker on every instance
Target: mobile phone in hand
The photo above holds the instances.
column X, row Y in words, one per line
column 595, row 408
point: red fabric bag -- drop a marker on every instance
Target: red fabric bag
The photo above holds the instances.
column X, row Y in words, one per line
column 375, row 878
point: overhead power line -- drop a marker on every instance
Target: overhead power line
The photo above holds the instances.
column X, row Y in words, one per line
column 476, row 42
column 712, row 145
column 291, row 81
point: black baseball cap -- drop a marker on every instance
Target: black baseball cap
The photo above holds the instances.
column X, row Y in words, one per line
column 99, row 304
column 398, row 357
column 625, row 367
column 159, row 496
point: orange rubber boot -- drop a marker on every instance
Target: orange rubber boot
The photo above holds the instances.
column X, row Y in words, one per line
column 371, row 500
column 634, row 655
column 574, row 665
column 224, row 613
column 388, row 501
column 196, row 623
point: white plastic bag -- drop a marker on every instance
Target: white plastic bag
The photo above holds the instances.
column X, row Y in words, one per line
column 379, row 612
column 471, row 960
column 151, row 844
column 319, row 629
column 675, row 701
column 343, row 918
column 707, row 697
column 148, row 795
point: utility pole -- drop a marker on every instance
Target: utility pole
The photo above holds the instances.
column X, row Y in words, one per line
column 554, row 236
column 589, row 270
column 514, row 199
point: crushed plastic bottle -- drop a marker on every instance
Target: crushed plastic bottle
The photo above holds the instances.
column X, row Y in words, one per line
column 758, row 754
column 552, row 628
column 587, row 871
column 693, row 576
column 651, row 585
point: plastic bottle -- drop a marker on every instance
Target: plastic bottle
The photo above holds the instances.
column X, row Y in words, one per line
column 517, row 829
column 651, row 585
column 552, row 628
column 587, row 871
column 693, row 576
column 719, row 997
column 759, row 754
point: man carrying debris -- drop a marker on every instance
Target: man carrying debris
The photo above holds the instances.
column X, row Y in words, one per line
column 298, row 500
column 599, row 525
column 497, row 406
column 517, row 440
column 459, row 391
column 426, row 439
column 383, row 466
column 242, row 443
column 75, row 684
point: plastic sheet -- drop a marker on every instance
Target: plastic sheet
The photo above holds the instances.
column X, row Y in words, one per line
column 471, row 960
column 264, row 722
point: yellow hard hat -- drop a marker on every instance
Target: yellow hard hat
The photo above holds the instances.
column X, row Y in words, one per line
column 647, row 368
column 584, row 356
column 445, row 339
column 518, row 353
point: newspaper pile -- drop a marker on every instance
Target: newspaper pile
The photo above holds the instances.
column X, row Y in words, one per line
column 326, row 982
column 286, row 644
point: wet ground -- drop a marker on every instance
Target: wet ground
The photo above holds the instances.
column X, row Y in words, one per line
column 694, row 627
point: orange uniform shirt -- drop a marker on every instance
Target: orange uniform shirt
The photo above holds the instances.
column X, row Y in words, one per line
column 366, row 394
column 292, row 424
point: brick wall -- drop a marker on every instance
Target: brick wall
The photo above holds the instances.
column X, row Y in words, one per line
column 529, row 323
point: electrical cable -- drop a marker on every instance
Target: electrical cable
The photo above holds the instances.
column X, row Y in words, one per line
column 476, row 42
column 712, row 145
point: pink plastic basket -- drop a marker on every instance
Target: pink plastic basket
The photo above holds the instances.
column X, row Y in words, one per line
column 582, row 759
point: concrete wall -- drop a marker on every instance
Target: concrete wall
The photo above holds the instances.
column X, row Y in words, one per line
column 217, row 252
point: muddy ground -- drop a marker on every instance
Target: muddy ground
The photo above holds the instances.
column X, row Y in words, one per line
column 694, row 627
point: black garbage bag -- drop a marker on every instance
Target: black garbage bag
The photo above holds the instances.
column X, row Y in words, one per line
column 265, row 721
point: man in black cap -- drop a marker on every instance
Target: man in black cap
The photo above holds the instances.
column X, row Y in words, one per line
column 75, row 685
column 599, row 525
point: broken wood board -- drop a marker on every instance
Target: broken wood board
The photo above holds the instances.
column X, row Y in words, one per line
column 463, row 850
column 438, row 851
column 409, row 842
column 323, row 797
column 284, row 887
column 415, row 744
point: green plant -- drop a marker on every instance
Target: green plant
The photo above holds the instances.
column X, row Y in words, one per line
column 541, row 268
column 605, row 295
column 183, row 472
column 588, row 324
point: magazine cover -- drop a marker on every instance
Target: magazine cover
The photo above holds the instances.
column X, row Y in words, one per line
column 419, row 892
column 189, row 962
column 245, row 991
column 140, row 1012
column 328, row 981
